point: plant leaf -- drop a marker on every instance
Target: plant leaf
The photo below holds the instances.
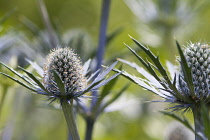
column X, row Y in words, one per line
column 108, row 87
column 186, row 70
column 17, row 81
column 147, row 66
column 155, row 59
column 36, row 67
column 35, row 80
column 89, row 88
column 141, row 82
column 59, row 83
column 184, row 121
column 17, row 73
column 86, row 66
column 141, row 70
column 158, row 66
column 104, row 82
column 105, row 72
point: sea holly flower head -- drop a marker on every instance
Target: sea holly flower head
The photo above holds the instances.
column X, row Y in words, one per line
column 197, row 57
column 67, row 65
column 63, row 76
column 186, row 87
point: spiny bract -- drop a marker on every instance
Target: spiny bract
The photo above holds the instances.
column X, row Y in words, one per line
column 198, row 58
column 68, row 66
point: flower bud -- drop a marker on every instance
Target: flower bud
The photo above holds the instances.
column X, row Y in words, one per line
column 68, row 66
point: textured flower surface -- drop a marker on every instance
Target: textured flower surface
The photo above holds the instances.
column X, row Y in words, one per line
column 64, row 76
column 69, row 68
column 198, row 59
column 187, row 86
column 66, row 63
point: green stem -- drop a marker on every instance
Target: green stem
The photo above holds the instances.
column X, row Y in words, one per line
column 69, row 116
column 89, row 128
column 199, row 127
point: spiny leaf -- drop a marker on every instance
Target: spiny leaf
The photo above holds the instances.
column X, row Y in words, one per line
column 155, row 59
column 141, row 70
column 97, row 84
column 159, row 67
column 147, row 66
column 86, row 66
column 39, row 70
column 147, row 75
column 104, row 82
column 184, row 121
column 127, row 76
column 107, row 88
column 101, row 76
column 93, row 75
column 17, row 81
column 142, row 83
column 186, row 70
column 59, row 82
column 17, row 73
column 35, row 80
column 89, row 88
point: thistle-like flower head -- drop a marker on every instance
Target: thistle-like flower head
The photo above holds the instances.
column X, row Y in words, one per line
column 63, row 77
column 198, row 59
column 188, row 87
column 68, row 66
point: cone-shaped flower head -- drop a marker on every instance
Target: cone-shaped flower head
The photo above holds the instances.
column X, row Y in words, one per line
column 187, row 87
column 198, row 59
column 68, row 66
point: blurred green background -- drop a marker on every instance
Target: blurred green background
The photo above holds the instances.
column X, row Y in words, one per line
column 156, row 23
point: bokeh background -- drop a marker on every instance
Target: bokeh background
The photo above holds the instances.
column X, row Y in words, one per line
column 155, row 23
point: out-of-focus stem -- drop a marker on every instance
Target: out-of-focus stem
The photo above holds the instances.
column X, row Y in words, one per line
column 102, row 39
column 99, row 58
column 103, row 30
column 69, row 116
column 89, row 129
column 4, row 92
